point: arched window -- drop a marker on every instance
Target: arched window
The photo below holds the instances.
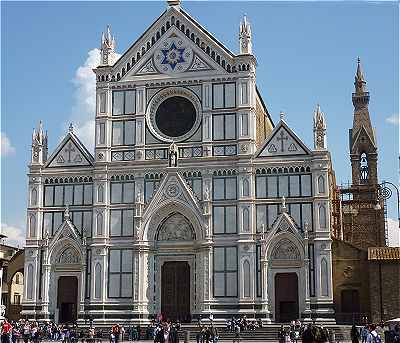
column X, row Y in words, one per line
column 97, row 281
column 364, row 168
column 246, row 188
column 246, row 279
column 29, row 284
column 99, row 224
column 246, row 220
column 324, row 278
column 321, row 184
column 34, row 197
column 322, row 217
column 32, row 226
column 100, row 194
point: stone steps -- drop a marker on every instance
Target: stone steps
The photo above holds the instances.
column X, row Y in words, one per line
column 267, row 333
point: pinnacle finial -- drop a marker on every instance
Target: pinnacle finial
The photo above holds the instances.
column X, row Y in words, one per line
column 173, row 2
column 359, row 80
column 281, row 115
column 71, row 127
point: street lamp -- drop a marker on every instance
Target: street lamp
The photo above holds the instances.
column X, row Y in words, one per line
column 385, row 193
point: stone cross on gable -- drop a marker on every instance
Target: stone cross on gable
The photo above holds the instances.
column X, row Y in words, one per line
column 281, row 138
column 70, row 149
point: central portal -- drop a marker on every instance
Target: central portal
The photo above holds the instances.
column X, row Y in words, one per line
column 175, row 291
column 286, row 297
column 67, row 299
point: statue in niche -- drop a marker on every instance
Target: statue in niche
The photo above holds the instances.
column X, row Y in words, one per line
column 176, row 227
column 173, row 155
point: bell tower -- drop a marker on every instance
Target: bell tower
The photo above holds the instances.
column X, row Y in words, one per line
column 363, row 148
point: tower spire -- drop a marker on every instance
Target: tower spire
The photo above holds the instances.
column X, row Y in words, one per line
column 39, row 145
column 359, row 81
column 107, row 48
column 363, row 149
column 319, row 129
column 245, row 39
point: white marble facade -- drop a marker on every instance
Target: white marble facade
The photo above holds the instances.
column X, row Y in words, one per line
column 239, row 199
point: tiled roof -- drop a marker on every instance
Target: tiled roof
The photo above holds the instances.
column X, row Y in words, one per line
column 384, row 253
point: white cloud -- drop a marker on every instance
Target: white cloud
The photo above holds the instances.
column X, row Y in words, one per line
column 15, row 235
column 6, row 146
column 83, row 110
column 393, row 232
column 394, row 119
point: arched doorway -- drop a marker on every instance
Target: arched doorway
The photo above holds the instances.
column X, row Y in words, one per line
column 286, row 297
column 67, row 295
column 176, row 232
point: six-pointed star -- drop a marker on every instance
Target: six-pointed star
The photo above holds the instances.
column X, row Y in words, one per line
column 173, row 56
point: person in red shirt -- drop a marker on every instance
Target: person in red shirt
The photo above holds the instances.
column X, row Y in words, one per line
column 6, row 330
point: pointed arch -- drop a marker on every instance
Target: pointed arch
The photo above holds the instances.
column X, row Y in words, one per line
column 34, row 197
column 324, row 277
column 100, row 194
column 321, row 184
column 99, row 224
column 97, row 281
column 32, row 225
column 29, row 283
column 246, row 220
column 246, row 279
column 322, row 216
column 246, row 187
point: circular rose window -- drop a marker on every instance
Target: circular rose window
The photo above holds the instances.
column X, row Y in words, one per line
column 175, row 116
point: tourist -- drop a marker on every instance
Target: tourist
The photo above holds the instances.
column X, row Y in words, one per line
column 26, row 332
column 364, row 333
column 373, row 336
column 354, row 334
column 6, row 331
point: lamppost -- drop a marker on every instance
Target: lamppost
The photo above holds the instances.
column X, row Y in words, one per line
column 386, row 193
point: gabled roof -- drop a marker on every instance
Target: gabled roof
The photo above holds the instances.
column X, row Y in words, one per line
column 143, row 44
column 282, row 142
column 362, row 131
column 66, row 230
column 196, row 59
column 70, row 153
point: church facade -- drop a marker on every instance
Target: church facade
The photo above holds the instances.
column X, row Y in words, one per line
column 194, row 202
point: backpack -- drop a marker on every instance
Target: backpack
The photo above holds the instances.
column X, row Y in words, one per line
column 377, row 339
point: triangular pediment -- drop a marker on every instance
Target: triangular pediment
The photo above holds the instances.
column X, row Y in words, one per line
column 282, row 142
column 174, row 54
column 70, row 153
column 285, row 224
column 66, row 230
column 202, row 46
column 173, row 188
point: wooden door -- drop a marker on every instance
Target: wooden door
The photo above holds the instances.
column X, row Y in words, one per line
column 67, row 298
column 286, row 297
column 175, row 291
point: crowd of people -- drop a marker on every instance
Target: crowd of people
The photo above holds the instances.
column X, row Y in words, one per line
column 243, row 324
column 160, row 331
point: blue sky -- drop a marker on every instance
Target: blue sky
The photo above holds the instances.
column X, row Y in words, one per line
column 306, row 53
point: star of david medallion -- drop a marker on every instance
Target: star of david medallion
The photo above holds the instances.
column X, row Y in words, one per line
column 173, row 57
